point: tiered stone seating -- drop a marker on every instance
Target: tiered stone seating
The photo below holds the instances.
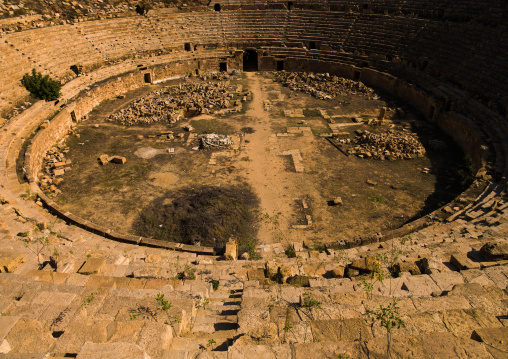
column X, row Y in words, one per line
column 175, row 30
column 118, row 38
column 35, row 45
column 254, row 26
column 13, row 66
column 102, row 298
column 319, row 26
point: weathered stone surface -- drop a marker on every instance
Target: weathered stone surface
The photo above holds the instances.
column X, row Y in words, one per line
column 28, row 336
column 10, row 261
column 447, row 280
column 118, row 160
column 92, row 266
column 495, row 338
column 400, row 347
column 495, row 251
column 231, row 252
column 421, row 285
column 298, row 281
column 336, row 330
column 446, row 345
column 111, row 351
column 339, row 272
column 103, row 159
column 6, row 324
column 461, row 261
column 266, row 334
column 409, row 267
column 282, row 351
column 432, row 265
column 365, row 265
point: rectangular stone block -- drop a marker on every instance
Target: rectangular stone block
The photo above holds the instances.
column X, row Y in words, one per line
column 92, row 266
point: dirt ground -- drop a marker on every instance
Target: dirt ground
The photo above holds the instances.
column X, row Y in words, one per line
column 113, row 195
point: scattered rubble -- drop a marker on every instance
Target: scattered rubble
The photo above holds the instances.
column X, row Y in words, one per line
column 321, row 86
column 214, row 140
column 390, row 145
column 172, row 103
column 53, row 167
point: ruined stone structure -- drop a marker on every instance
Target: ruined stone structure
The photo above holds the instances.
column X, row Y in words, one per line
column 108, row 295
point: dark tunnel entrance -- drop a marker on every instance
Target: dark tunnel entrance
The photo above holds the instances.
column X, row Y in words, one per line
column 250, row 60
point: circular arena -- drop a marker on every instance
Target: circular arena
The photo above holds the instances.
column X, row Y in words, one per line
column 261, row 179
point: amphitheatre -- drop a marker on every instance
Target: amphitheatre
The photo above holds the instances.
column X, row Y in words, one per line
column 254, row 179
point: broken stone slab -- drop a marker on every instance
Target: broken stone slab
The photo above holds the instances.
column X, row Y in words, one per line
column 337, row 201
column 59, row 172
column 103, row 159
column 431, row 266
column 118, row 160
column 10, row 261
column 407, row 267
column 495, row 251
column 461, row 261
column 92, row 266
column 494, row 338
column 446, row 280
column 420, row 285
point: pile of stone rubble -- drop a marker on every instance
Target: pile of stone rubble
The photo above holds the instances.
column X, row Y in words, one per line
column 321, row 86
column 173, row 103
column 214, row 140
column 53, row 168
column 390, row 145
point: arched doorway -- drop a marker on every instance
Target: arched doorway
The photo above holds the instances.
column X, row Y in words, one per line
column 250, row 60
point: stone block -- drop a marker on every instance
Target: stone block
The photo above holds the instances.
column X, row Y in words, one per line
column 421, row 285
column 446, row 280
column 400, row 347
column 354, row 329
column 431, row 265
column 10, row 261
column 446, row 345
column 6, row 324
column 118, row 160
column 29, row 336
column 495, row 251
column 407, row 267
column 125, row 331
column 92, row 266
column 103, row 159
column 495, row 339
column 91, row 350
column 231, row 252
column 81, row 330
column 461, row 261
column 154, row 338
column 338, row 272
column 281, row 351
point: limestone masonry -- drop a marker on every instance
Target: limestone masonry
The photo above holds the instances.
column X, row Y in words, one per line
column 71, row 287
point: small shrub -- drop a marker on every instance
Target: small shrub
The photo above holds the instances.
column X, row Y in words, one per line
column 164, row 304
column 215, row 284
column 374, row 197
column 42, row 87
column 290, row 252
column 309, row 302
